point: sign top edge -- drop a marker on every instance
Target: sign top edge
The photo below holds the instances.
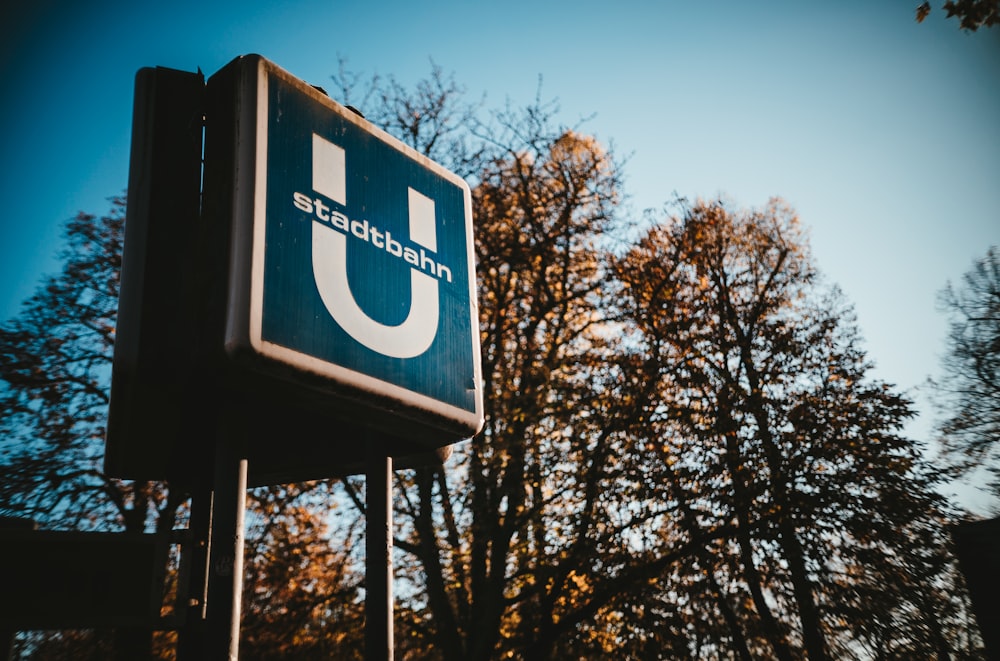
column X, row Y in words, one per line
column 267, row 68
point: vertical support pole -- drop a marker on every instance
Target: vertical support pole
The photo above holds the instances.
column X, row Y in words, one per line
column 225, row 582
column 378, row 554
column 194, row 555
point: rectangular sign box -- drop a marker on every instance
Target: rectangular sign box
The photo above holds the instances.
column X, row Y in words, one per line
column 351, row 264
column 77, row 580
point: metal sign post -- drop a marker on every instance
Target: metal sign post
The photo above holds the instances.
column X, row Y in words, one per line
column 378, row 556
column 225, row 583
column 193, row 576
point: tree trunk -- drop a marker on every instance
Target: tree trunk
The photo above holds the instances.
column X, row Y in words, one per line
column 446, row 632
column 812, row 629
column 742, row 501
column 732, row 621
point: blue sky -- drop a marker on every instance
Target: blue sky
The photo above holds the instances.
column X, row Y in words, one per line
column 882, row 133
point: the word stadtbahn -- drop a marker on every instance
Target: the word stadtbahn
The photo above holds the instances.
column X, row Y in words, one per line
column 365, row 231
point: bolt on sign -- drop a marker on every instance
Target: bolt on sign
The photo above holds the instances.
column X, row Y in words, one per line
column 352, row 266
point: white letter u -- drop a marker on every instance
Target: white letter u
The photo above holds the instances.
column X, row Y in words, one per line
column 329, row 256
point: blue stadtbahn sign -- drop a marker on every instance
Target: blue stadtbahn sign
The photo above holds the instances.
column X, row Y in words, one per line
column 360, row 257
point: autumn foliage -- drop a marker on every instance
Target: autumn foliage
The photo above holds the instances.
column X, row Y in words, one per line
column 685, row 455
